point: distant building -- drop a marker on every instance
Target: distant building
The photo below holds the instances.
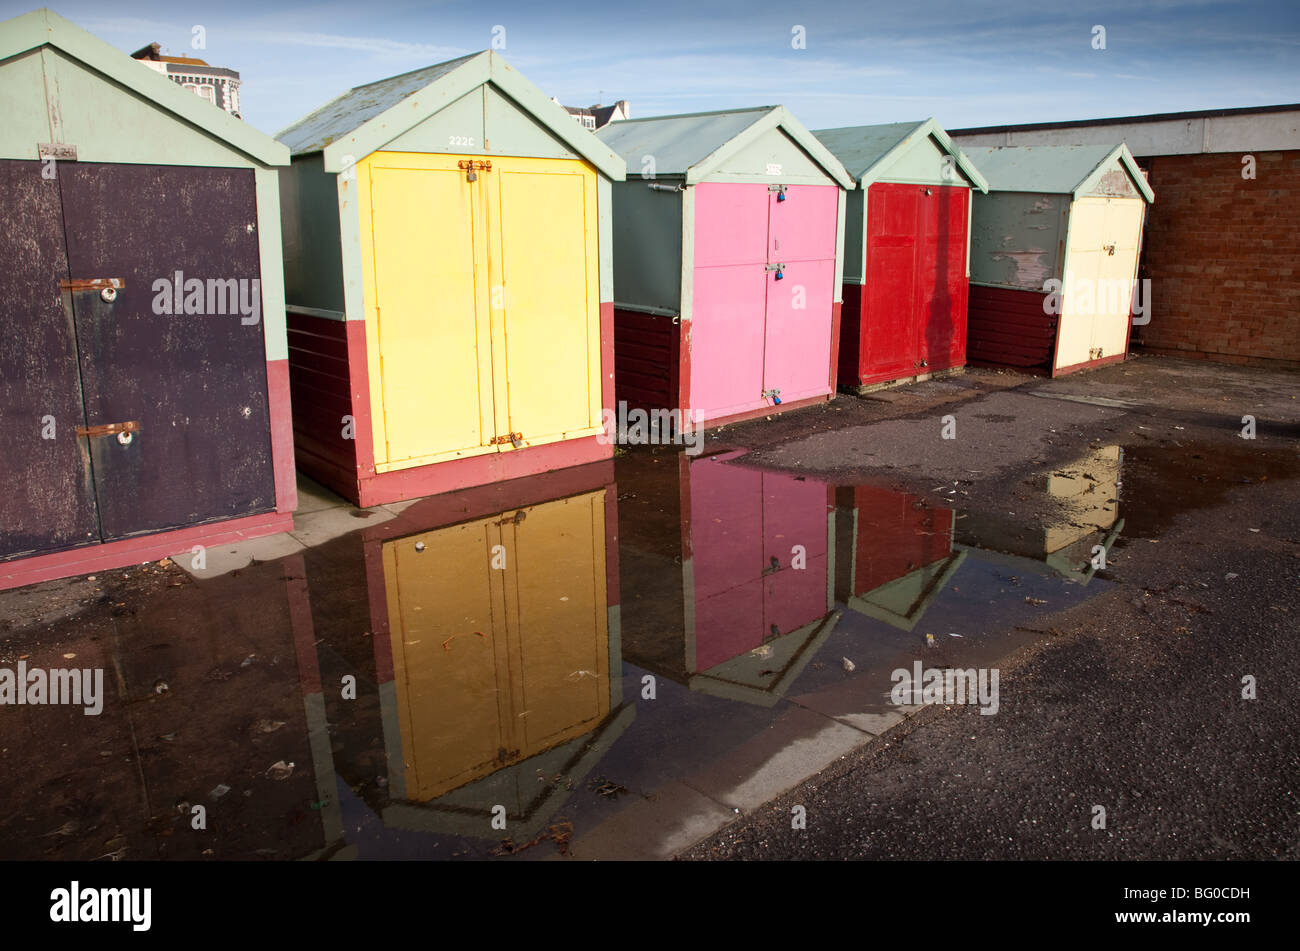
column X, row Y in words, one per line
column 598, row 116
column 216, row 84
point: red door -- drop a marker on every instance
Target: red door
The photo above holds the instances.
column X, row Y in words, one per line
column 889, row 314
column 941, row 277
column 914, row 301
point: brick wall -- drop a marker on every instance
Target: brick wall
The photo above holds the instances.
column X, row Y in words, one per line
column 1223, row 255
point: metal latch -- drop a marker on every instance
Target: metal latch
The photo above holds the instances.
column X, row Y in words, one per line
column 773, row 395
column 515, row 439
column 470, row 164
column 1109, row 249
column 780, row 191
column 778, row 268
column 125, row 432
column 107, row 286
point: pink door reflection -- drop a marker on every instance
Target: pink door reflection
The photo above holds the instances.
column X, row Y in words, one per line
column 740, row 520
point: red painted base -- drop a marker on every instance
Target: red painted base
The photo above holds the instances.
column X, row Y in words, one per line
column 478, row 470
column 331, row 366
column 277, row 390
column 133, row 551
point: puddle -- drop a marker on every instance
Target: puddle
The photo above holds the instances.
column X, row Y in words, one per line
column 610, row 660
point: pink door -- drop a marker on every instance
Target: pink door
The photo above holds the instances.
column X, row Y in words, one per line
column 801, row 238
column 726, row 332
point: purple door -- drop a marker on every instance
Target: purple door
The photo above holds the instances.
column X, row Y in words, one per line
column 188, row 367
column 46, row 503
column 196, row 382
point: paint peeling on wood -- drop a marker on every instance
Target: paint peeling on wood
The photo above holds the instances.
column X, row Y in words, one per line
column 1116, row 184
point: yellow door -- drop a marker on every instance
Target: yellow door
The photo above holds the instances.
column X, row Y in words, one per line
column 500, row 640
column 546, row 316
column 423, row 252
column 482, row 304
column 1100, row 264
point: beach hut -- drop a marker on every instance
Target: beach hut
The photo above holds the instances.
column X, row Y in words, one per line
column 493, row 624
column 906, row 244
column 733, row 573
column 1054, row 254
column 727, row 256
column 144, row 389
column 447, row 273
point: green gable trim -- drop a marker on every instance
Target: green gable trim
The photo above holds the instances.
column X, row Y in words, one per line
column 31, row 31
column 858, row 147
column 1121, row 154
column 694, row 146
column 374, row 131
column 775, row 117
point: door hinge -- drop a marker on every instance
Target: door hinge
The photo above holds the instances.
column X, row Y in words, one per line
column 515, row 439
column 91, row 284
column 110, row 429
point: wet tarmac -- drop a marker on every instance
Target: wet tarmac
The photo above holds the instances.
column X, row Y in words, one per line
column 606, row 662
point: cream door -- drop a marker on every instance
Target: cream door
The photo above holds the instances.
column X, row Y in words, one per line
column 1100, row 264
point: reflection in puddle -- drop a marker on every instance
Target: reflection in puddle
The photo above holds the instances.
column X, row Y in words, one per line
column 554, row 653
column 1076, row 543
column 729, row 581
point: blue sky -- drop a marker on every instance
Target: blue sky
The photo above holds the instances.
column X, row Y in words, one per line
column 966, row 63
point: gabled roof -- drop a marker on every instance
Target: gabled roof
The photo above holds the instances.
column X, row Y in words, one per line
column 868, row 150
column 364, row 119
column 31, row 31
column 695, row 145
column 1054, row 169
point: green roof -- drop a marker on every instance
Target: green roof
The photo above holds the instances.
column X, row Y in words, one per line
column 357, row 106
column 868, row 150
column 696, row 144
column 1053, row 169
column 46, row 28
column 365, row 119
